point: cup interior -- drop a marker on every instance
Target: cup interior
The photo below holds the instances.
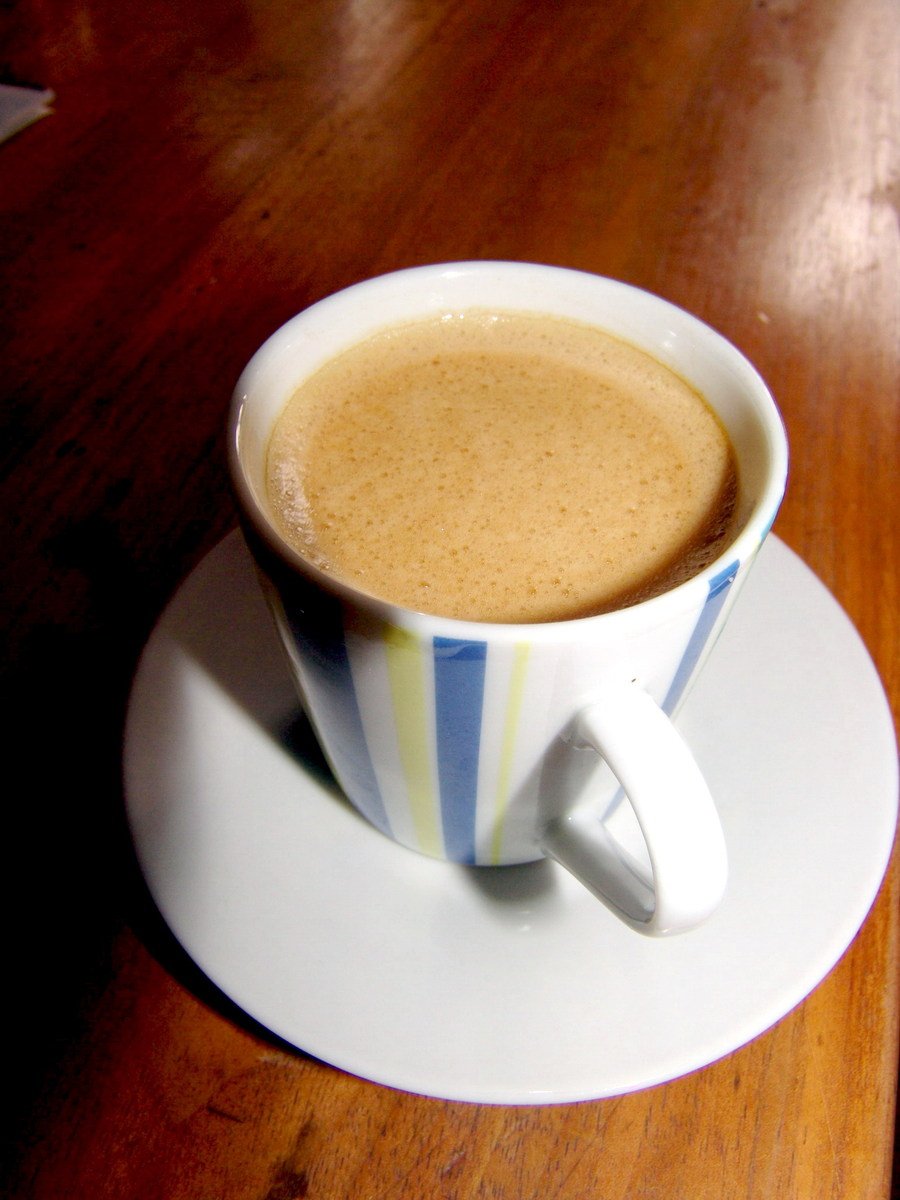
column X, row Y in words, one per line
column 679, row 340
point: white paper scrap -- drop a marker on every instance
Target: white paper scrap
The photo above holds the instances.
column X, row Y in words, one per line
column 19, row 106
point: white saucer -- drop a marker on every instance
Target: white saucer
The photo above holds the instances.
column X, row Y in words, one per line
column 506, row 985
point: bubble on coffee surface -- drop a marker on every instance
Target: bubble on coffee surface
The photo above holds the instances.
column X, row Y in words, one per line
column 502, row 467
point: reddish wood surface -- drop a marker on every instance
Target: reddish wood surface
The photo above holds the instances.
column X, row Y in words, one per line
column 211, row 169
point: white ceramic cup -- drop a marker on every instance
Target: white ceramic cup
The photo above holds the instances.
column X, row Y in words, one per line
column 492, row 744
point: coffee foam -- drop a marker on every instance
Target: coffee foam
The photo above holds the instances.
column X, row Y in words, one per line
column 502, row 467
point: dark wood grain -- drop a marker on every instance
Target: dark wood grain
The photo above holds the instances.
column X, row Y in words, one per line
column 208, row 171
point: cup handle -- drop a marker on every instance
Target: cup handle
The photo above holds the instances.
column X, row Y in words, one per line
column 675, row 811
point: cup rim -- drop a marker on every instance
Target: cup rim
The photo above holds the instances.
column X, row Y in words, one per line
column 742, row 547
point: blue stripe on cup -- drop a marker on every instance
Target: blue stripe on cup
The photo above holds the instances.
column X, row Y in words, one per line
column 459, row 668
column 324, row 669
column 719, row 587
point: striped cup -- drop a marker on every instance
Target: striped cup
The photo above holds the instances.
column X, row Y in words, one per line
column 490, row 744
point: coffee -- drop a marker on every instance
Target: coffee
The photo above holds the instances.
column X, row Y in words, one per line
column 498, row 466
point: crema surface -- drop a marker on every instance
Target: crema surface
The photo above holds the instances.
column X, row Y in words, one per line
column 502, row 467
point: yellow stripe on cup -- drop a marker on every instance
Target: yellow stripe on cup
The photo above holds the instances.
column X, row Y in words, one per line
column 406, row 665
column 510, row 728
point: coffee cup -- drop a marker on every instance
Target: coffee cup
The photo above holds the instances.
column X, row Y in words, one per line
column 491, row 742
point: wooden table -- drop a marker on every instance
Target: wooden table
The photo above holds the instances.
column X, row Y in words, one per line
column 209, row 170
